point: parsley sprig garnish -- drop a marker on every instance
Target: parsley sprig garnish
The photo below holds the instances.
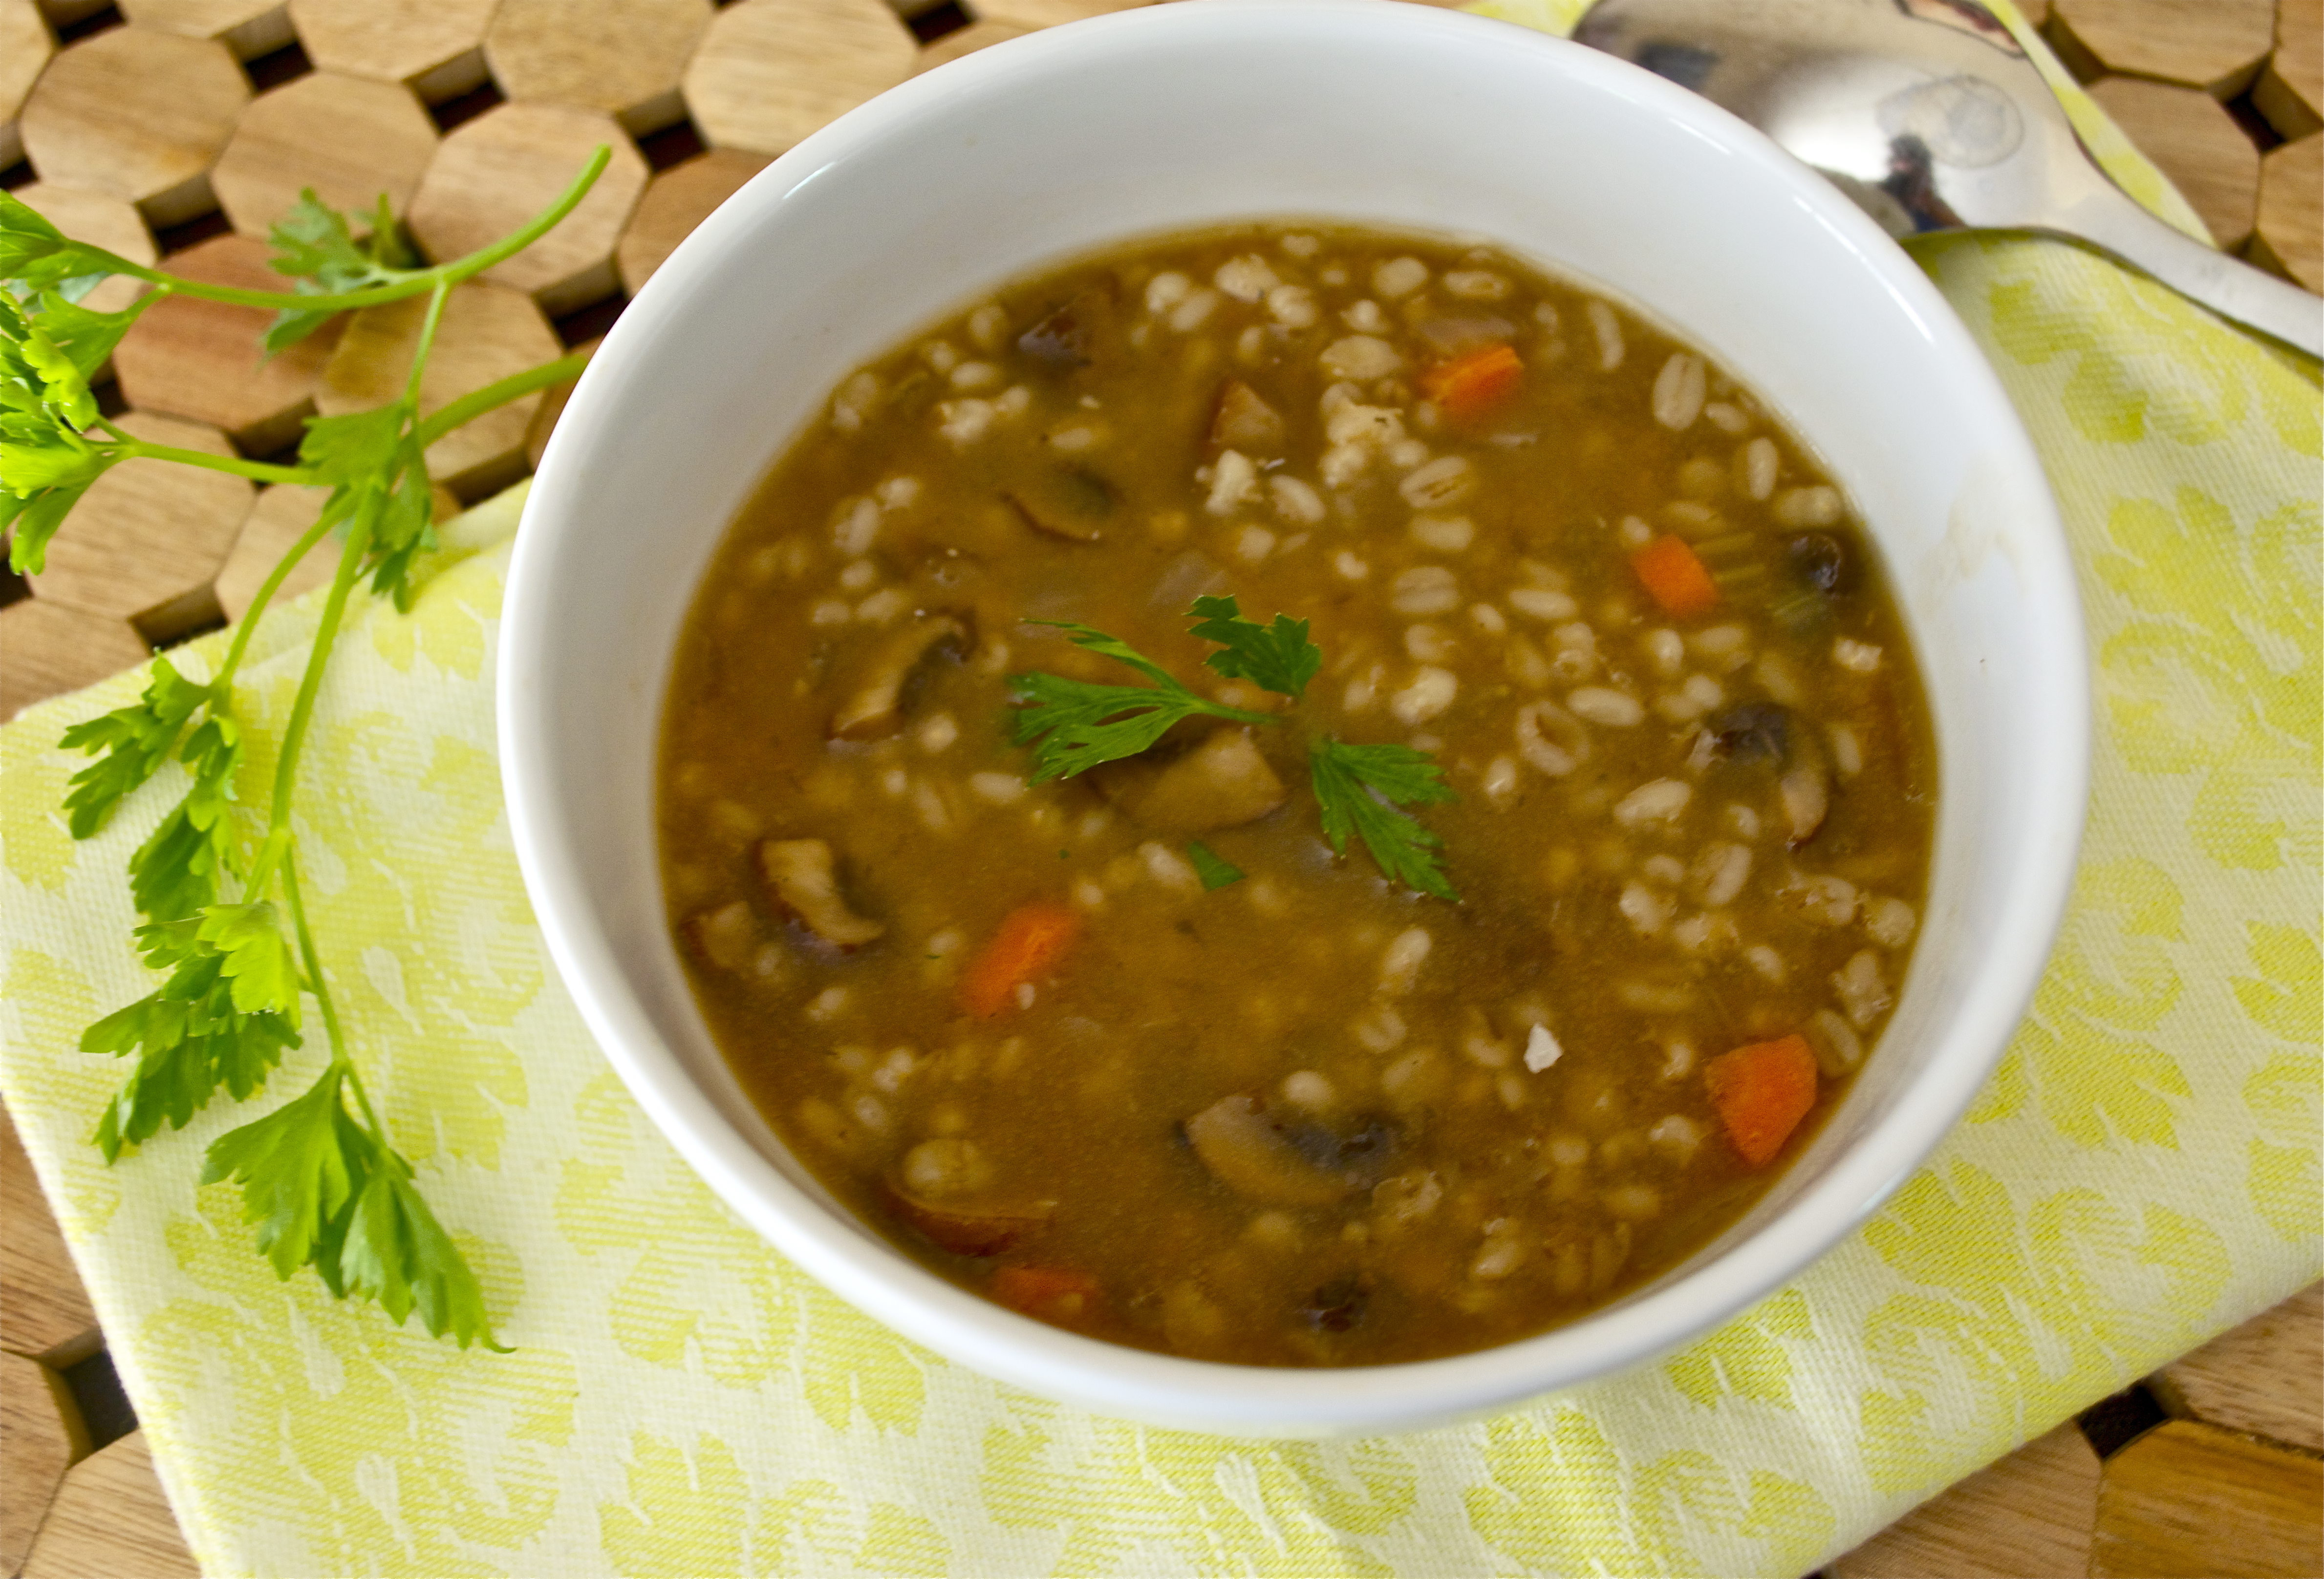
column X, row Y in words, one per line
column 222, row 915
column 1074, row 725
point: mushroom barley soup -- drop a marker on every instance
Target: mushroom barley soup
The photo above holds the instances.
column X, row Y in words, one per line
column 1295, row 795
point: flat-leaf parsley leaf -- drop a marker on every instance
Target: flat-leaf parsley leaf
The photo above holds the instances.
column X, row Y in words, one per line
column 1277, row 658
column 1073, row 725
column 1348, row 779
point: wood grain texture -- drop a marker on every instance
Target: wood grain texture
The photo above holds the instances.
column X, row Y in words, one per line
column 622, row 57
column 2192, row 139
column 434, row 47
column 250, row 28
column 25, row 46
column 41, row 1435
column 771, row 71
column 494, row 173
column 349, row 138
column 676, row 200
column 2266, row 1377
column 1038, row 13
column 2193, row 1499
column 2216, row 45
column 43, row 1312
column 94, row 121
column 148, row 540
column 108, row 222
column 111, row 1522
column 279, row 519
column 2029, row 1514
column 2290, row 236
column 2290, row 91
column 47, row 649
column 967, row 41
column 488, row 331
column 199, row 360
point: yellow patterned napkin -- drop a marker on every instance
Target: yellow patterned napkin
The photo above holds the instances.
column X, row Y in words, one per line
column 2141, row 1172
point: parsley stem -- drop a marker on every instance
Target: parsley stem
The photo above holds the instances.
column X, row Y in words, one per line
column 133, row 448
column 286, row 766
column 493, row 396
column 420, row 350
column 413, row 284
column 295, row 903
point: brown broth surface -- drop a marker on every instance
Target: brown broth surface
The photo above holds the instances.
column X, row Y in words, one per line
column 1458, row 1124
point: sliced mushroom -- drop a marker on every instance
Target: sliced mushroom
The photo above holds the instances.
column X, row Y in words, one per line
column 1244, row 421
column 1752, row 731
column 1284, row 1159
column 799, row 871
column 1762, row 731
column 1339, row 1305
column 1062, row 339
column 1818, row 561
column 1223, row 783
column 875, row 704
column 1065, row 501
column 725, row 936
column 980, row 1228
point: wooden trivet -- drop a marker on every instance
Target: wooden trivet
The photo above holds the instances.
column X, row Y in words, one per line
column 184, row 126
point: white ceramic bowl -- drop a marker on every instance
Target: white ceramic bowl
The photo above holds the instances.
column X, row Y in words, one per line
column 1181, row 116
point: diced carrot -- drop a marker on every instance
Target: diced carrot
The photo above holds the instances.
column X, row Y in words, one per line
column 1031, row 937
column 1762, row 1091
column 1674, row 573
column 1053, row 1293
column 1473, row 382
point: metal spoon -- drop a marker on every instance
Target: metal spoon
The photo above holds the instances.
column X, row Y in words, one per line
column 1930, row 116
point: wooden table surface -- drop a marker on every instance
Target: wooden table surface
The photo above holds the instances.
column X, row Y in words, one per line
column 178, row 128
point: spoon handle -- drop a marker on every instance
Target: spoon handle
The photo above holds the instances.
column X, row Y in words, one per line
column 2233, row 289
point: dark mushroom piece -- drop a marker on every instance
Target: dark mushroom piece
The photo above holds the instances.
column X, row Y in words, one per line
column 876, row 697
column 801, row 873
column 1272, row 1157
column 1063, row 340
column 978, row 1228
column 1339, row 1305
column 1066, row 502
column 1242, row 420
column 1762, row 731
column 1223, row 783
column 1821, row 570
column 1819, row 560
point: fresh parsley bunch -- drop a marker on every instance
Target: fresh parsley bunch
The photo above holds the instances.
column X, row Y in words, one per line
column 226, row 929
column 1073, row 725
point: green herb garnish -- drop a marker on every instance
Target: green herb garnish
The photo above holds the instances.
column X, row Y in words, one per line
column 1074, row 725
column 1358, row 787
column 1214, row 870
column 1277, row 658
column 224, row 919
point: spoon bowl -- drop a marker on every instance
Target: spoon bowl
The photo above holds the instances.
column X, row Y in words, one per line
column 1930, row 116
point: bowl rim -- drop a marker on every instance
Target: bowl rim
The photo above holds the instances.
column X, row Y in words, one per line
column 1218, row 1396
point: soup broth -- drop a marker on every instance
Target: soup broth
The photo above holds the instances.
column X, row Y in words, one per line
column 1138, row 1051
